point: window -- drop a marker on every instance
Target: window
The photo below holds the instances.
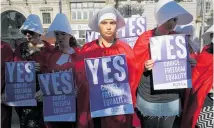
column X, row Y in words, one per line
column 85, row 15
column 207, row 7
column 84, row 5
column 96, row 5
column 74, row 15
column 46, row 18
column 90, row 5
column 82, row 33
column 73, row 5
column 79, row 5
column 102, row 5
column 85, row 10
column 91, row 13
column 79, row 15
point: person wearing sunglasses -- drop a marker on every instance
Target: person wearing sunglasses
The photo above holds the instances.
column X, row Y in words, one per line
column 36, row 50
column 64, row 55
column 157, row 109
column 198, row 110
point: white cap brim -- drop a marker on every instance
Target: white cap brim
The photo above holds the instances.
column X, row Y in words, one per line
column 206, row 35
column 60, row 23
column 185, row 29
column 32, row 23
column 169, row 10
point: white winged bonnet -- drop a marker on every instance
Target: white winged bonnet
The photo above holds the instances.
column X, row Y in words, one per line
column 60, row 23
column 107, row 12
column 168, row 9
column 33, row 23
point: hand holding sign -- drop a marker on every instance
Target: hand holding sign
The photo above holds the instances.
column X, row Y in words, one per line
column 59, row 103
column 171, row 69
column 39, row 96
column 37, row 67
column 148, row 65
column 109, row 86
column 20, row 83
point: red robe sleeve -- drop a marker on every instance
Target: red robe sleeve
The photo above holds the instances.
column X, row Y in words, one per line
column 17, row 54
column 77, row 49
column 6, row 56
column 202, row 82
column 194, row 56
column 141, row 51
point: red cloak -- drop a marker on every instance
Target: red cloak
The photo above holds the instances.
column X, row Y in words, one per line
column 77, row 49
column 202, row 82
column 92, row 50
column 194, row 55
column 53, row 58
column 6, row 55
column 142, row 51
column 6, row 111
column 142, row 54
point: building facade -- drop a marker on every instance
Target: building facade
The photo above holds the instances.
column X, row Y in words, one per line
column 14, row 13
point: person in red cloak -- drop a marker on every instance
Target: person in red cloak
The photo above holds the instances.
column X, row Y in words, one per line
column 201, row 94
column 107, row 21
column 6, row 111
column 64, row 55
column 33, row 50
column 157, row 108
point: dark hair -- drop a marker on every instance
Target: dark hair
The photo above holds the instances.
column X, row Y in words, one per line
column 72, row 42
column 210, row 48
column 56, row 45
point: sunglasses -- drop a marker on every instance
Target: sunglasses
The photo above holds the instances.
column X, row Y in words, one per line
column 174, row 19
column 59, row 32
column 29, row 32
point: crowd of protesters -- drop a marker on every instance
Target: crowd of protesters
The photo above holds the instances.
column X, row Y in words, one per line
column 153, row 109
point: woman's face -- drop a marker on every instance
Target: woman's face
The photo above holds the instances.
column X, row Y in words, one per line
column 31, row 36
column 62, row 38
column 108, row 29
column 169, row 25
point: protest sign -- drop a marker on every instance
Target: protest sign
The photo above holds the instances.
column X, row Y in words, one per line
column 171, row 69
column 59, row 102
column 109, row 86
column 20, row 80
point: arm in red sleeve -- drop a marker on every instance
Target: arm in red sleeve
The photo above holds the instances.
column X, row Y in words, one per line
column 7, row 55
column 142, row 53
column 202, row 82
